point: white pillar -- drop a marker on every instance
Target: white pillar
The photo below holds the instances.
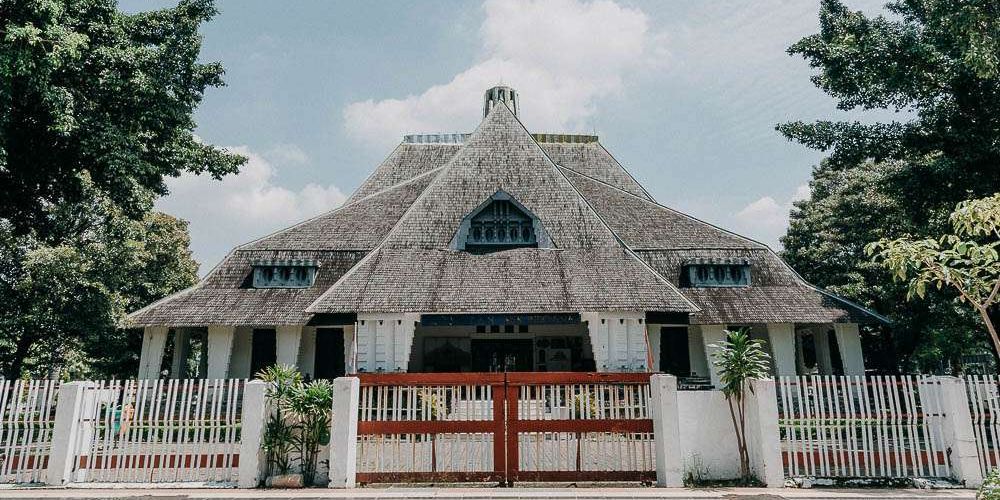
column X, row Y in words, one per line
column 383, row 341
column 821, row 341
column 666, row 430
column 65, row 431
column 178, row 364
column 220, row 350
column 782, row 340
column 254, row 414
column 154, row 341
column 307, row 352
column 344, row 433
column 289, row 338
column 619, row 341
column 763, row 439
column 712, row 335
column 849, row 344
column 653, row 334
column 957, row 428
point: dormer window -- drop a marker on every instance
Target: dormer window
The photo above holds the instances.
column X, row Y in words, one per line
column 284, row 273
column 500, row 223
column 715, row 273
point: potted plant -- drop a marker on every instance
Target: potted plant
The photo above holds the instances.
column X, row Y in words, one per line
column 278, row 440
column 309, row 406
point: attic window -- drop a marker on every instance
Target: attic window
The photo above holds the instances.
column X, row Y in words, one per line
column 500, row 223
column 284, row 273
column 716, row 273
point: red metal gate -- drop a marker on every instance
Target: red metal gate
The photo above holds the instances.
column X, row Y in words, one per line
column 505, row 427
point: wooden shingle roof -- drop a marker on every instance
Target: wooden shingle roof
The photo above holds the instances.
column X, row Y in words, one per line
column 387, row 248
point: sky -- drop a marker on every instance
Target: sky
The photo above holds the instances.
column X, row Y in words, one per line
column 684, row 94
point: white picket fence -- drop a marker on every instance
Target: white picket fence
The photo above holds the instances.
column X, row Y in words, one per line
column 984, row 408
column 150, row 431
column 886, row 427
column 27, row 417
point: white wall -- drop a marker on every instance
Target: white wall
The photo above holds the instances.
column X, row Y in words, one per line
column 708, row 442
column 383, row 341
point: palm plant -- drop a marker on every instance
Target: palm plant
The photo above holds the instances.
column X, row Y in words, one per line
column 279, row 435
column 309, row 406
column 740, row 359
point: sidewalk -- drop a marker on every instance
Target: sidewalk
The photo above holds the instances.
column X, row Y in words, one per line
column 483, row 493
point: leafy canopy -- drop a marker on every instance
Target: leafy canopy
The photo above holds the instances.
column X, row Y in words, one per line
column 931, row 67
column 966, row 260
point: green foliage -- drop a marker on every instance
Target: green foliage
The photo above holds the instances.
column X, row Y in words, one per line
column 299, row 421
column 95, row 111
column 990, row 489
column 934, row 63
column 740, row 360
column 957, row 261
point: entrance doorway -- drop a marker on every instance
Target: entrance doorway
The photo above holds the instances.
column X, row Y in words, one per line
column 329, row 361
column 502, row 355
column 675, row 357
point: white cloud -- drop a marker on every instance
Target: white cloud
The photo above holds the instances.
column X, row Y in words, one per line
column 766, row 219
column 560, row 55
column 227, row 213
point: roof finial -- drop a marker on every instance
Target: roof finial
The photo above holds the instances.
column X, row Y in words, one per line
column 498, row 94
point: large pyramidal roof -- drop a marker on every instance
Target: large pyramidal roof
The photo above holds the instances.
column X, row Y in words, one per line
column 389, row 248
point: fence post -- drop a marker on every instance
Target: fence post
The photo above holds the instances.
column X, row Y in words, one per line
column 763, row 438
column 666, row 430
column 65, row 433
column 344, row 433
column 957, row 431
column 251, row 437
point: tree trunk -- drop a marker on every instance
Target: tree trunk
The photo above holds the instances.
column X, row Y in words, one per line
column 985, row 314
column 23, row 345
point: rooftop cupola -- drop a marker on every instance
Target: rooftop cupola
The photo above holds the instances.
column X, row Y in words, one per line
column 498, row 94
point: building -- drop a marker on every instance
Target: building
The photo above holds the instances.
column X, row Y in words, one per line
column 497, row 250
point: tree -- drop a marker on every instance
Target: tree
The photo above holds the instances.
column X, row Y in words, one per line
column 958, row 260
column 85, row 87
column 740, row 360
column 96, row 109
column 934, row 63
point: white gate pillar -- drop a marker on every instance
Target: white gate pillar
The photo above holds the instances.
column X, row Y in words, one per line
column 344, row 433
column 666, row 430
column 220, row 350
column 763, row 438
column 255, row 409
column 712, row 335
column 289, row 339
column 957, row 429
column 782, row 339
column 65, row 432
column 849, row 344
column 154, row 341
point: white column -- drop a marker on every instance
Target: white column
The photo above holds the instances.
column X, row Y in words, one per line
column 154, row 341
column 849, row 344
column 712, row 335
column 344, row 433
column 254, row 414
column 821, row 340
column 307, row 352
column 763, row 439
column 383, row 341
column 619, row 340
column 65, row 430
column 289, row 338
column 220, row 350
column 957, row 428
column 782, row 339
column 666, row 430
column 182, row 346
column 653, row 334
column 696, row 351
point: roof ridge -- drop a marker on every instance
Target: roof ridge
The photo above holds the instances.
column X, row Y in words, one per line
column 629, row 174
column 338, row 209
column 673, row 210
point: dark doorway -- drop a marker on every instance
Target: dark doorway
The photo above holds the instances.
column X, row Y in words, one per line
column 264, row 351
column 329, row 361
column 512, row 355
column 675, row 357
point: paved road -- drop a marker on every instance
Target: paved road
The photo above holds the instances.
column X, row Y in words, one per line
column 481, row 494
